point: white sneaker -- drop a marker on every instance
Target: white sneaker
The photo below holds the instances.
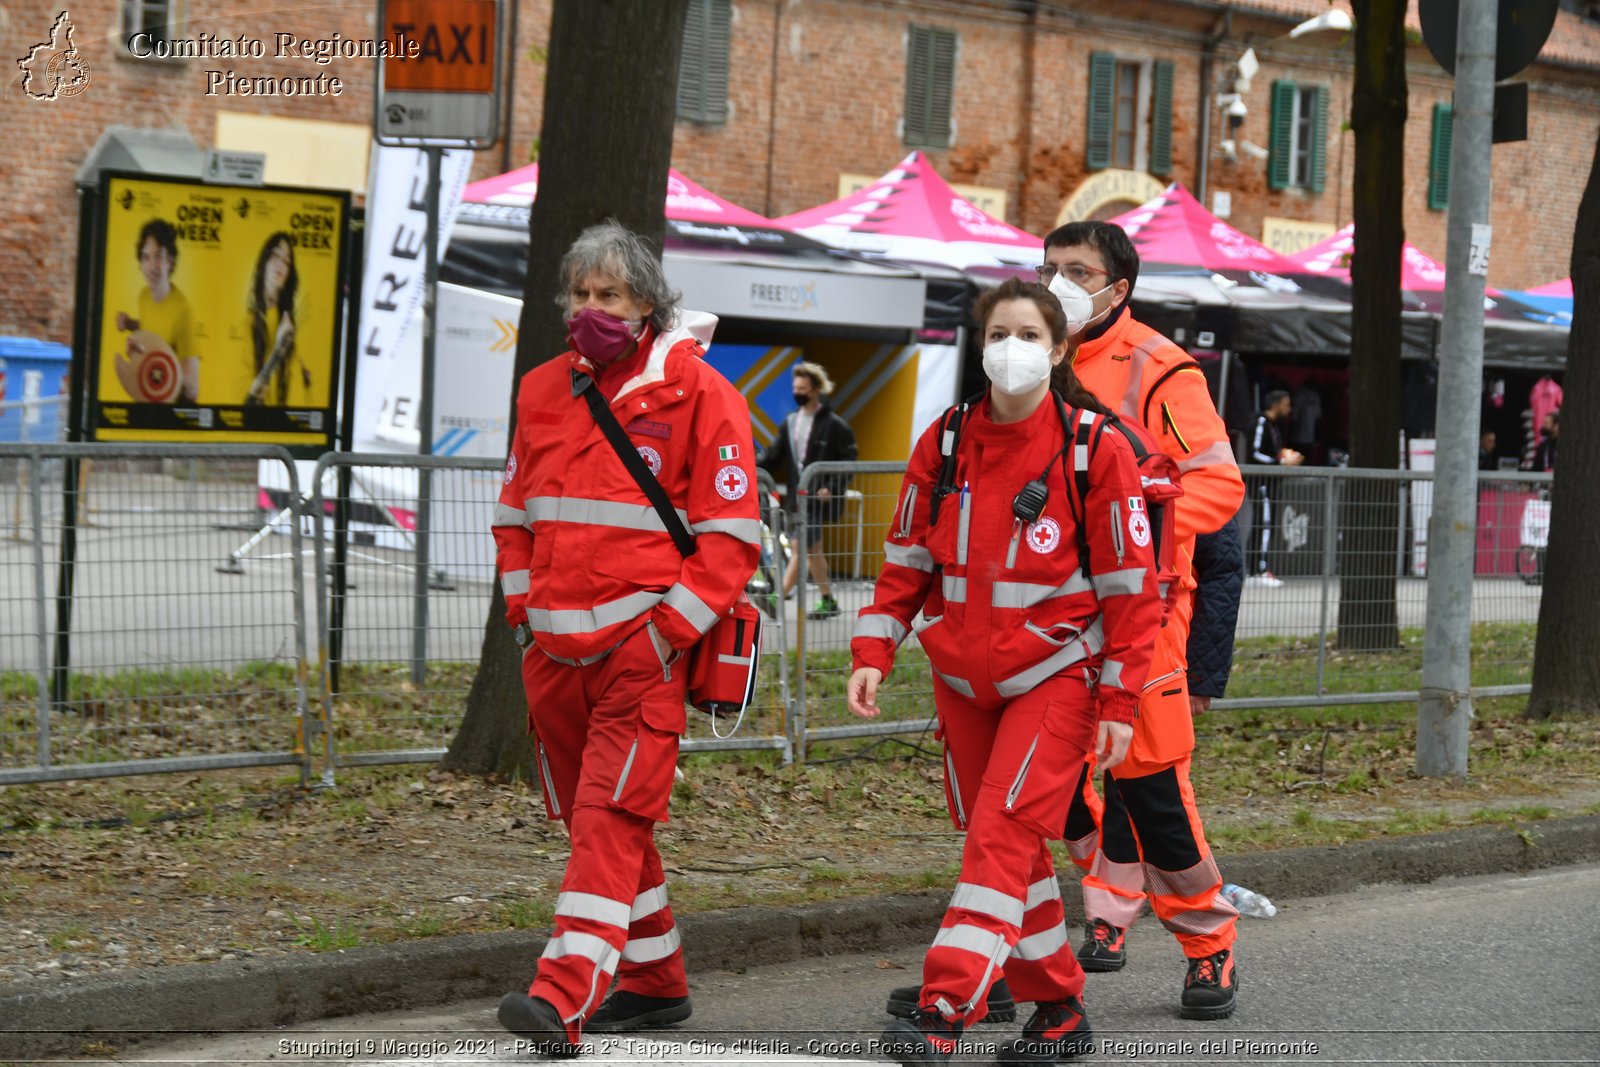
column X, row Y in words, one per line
column 1266, row 578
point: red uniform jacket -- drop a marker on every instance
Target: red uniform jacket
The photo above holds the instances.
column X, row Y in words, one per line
column 1005, row 603
column 582, row 553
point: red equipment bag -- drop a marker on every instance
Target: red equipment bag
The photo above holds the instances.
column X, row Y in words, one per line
column 722, row 666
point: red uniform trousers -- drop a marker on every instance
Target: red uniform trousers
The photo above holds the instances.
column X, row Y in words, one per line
column 1009, row 768
column 607, row 743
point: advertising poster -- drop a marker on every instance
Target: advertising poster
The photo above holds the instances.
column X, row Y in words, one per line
column 219, row 313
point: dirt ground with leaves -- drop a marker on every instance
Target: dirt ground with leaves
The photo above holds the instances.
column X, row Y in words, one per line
column 97, row 876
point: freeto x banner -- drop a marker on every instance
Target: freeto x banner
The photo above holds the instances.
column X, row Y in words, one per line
column 219, row 312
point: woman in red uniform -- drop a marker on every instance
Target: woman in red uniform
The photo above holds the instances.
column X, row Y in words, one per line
column 1034, row 664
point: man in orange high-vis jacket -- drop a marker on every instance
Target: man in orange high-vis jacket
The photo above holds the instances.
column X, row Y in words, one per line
column 605, row 605
column 1145, row 378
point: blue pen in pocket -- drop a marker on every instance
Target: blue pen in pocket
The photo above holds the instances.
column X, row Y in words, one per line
column 961, row 530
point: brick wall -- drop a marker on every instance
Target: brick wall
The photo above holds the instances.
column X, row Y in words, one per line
column 1021, row 86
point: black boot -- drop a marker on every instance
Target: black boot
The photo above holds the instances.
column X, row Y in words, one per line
column 1105, row 947
column 1002, row 1008
column 539, row 1020
column 926, row 1039
column 634, row 1011
column 1056, row 1031
column 1210, row 986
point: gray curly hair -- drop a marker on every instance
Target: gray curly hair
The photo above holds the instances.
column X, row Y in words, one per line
column 613, row 249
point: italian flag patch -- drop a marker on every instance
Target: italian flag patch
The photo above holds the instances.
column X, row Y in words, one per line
column 727, row 452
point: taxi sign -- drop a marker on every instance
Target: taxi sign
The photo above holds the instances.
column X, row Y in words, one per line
column 441, row 81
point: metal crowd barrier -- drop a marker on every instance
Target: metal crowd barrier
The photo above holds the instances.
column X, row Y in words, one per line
column 121, row 650
column 124, row 651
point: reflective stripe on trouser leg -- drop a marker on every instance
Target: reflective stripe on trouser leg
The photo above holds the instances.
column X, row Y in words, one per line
column 1182, row 876
column 578, row 962
column 1006, row 857
column 652, row 959
column 1113, row 889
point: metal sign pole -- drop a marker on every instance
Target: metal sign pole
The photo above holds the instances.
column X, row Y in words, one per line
column 1444, row 712
column 430, row 305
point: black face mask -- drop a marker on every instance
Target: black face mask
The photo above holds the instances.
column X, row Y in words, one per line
column 802, row 399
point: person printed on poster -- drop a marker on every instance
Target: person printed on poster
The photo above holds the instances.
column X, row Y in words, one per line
column 158, row 364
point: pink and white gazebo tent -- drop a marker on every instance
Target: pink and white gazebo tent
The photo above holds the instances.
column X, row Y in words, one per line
column 687, row 200
column 1561, row 288
column 1175, row 234
column 912, row 214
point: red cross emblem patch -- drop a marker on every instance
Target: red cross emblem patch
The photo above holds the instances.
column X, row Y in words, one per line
column 1044, row 535
column 732, row 483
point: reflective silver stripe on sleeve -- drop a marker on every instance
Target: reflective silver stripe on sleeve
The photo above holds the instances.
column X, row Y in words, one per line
column 650, row 949
column 648, row 903
column 599, row 513
column 1220, row 454
column 1082, row 647
column 1127, row 582
column 692, row 608
column 514, row 583
column 986, row 901
column 593, row 907
column 954, row 589
column 1111, row 673
column 960, row 685
column 881, row 626
column 746, row 530
column 985, row 943
column 1043, row 945
column 914, row 556
column 581, row 621
column 506, row 515
column 1026, row 594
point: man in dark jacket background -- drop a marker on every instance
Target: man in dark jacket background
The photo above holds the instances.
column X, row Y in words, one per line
column 812, row 433
column 1219, row 571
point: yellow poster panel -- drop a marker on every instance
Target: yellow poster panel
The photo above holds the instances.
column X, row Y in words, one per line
column 219, row 313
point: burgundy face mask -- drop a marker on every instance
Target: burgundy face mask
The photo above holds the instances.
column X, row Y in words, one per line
column 598, row 337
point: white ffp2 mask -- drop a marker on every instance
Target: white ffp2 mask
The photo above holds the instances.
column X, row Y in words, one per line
column 1076, row 302
column 1016, row 366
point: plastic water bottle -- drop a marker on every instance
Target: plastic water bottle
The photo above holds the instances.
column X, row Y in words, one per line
column 1248, row 902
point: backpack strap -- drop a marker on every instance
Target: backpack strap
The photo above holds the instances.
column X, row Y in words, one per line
column 949, row 441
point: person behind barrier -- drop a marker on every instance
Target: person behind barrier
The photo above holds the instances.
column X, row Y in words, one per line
column 812, row 433
column 1267, row 447
column 1036, row 659
column 605, row 605
column 1153, row 384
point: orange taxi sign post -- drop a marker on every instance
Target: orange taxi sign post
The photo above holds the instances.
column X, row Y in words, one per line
column 441, row 82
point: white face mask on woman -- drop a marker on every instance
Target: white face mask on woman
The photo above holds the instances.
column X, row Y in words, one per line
column 1016, row 366
column 1076, row 302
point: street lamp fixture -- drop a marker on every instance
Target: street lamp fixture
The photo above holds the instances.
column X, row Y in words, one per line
column 1331, row 19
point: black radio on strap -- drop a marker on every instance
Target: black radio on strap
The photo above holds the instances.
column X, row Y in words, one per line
column 583, row 385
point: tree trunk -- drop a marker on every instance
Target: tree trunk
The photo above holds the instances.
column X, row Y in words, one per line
column 1566, row 667
column 1370, row 516
column 605, row 145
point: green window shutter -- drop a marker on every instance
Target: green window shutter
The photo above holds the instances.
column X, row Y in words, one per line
column 1280, row 164
column 1319, row 141
column 1102, row 87
column 703, row 70
column 1161, row 119
column 919, row 52
column 1439, row 157
column 930, row 86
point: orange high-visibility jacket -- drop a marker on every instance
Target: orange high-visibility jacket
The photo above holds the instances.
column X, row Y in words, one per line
column 1005, row 603
column 1147, row 379
column 581, row 550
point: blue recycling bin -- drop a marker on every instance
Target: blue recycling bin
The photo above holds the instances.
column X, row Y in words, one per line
column 32, row 376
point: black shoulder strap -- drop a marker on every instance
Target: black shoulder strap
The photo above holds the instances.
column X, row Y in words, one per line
column 949, row 442
column 1187, row 364
column 582, row 385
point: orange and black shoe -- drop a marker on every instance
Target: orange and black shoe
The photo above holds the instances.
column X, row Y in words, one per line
column 1105, row 947
column 1210, row 987
column 923, row 1040
column 1056, row 1031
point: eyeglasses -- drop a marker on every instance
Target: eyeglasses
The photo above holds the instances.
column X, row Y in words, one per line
column 1077, row 273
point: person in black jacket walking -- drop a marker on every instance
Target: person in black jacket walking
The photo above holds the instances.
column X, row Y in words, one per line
column 813, row 433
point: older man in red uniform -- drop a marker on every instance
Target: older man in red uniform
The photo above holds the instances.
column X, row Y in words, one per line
column 605, row 607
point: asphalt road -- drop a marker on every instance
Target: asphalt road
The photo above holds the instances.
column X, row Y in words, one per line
column 1498, row 969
